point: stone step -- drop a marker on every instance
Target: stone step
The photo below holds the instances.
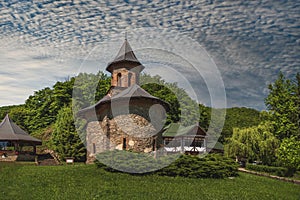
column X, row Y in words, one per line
column 47, row 162
column 46, row 159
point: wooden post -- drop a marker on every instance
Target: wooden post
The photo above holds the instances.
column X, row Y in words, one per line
column 34, row 149
column 16, row 146
column 154, row 148
column 181, row 143
column 36, row 160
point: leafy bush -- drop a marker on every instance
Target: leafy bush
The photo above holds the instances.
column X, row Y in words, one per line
column 278, row 171
column 210, row 166
column 130, row 162
column 288, row 153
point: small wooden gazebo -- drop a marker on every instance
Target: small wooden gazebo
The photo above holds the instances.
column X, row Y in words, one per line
column 188, row 140
column 13, row 136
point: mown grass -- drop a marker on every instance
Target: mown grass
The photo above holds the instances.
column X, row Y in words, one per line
column 88, row 182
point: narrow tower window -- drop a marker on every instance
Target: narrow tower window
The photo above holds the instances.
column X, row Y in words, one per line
column 119, row 77
column 154, row 145
column 129, row 79
column 124, row 143
column 94, row 148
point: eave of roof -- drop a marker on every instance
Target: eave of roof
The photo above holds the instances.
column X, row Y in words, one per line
column 132, row 92
column 9, row 131
column 175, row 130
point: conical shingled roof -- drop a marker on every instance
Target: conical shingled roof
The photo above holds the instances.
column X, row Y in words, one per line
column 125, row 54
column 9, row 131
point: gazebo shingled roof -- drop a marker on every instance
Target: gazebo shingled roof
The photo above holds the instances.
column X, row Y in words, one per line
column 175, row 130
column 9, row 131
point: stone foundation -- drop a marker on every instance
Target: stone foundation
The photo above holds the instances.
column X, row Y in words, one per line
column 20, row 157
column 9, row 158
column 124, row 132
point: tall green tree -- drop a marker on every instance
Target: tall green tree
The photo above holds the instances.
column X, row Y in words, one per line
column 6, row 110
column 239, row 118
column 183, row 109
column 298, row 102
column 267, row 143
column 282, row 104
column 254, row 143
column 19, row 115
column 243, row 144
column 205, row 115
column 65, row 140
column 289, row 153
column 62, row 95
column 89, row 88
column 40, row 114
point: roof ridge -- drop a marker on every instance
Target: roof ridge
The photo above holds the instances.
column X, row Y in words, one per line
column 125, row 48
column 131, row 90
column 14, row 128
column 7, row 118
column 11, row 131
column 125, row 54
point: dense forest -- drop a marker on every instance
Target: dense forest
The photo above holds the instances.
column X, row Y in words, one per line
column 44, row 113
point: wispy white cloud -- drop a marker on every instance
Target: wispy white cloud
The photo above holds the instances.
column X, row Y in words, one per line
column 250, row 41
column 23, row 71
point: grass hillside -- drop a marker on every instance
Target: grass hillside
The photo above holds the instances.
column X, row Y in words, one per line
column 88, row 182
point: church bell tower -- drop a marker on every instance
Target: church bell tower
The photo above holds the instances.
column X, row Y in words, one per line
column 125, row 68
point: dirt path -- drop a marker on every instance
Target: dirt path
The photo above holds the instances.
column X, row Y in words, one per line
column 270, row 176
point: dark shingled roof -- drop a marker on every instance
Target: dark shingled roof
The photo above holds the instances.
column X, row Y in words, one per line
column 9, row 131
column 132, row 92
column 175, row 130
column 125, row 55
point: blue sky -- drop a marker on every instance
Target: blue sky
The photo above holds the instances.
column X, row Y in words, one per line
column 250, row 42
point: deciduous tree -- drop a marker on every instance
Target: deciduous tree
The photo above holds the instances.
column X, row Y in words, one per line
column 289, row 153
column 254, row 143
column 65, row 140
column 282, row 103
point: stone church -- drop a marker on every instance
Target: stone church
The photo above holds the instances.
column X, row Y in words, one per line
column 128, row 117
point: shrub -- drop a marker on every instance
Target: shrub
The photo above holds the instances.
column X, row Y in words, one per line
column 130, row 162
column 210, row 166
column 278, row 171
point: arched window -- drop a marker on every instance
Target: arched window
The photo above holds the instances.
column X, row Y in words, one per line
column 119, row 81
column 154, row 145
column 129, row 79
column 124, row 143
column 94, row 148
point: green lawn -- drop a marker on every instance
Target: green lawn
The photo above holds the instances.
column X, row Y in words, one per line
column 88, row 182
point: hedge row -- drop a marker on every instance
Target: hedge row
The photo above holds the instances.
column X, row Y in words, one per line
column 209, row 166
column 130, row 162
column 278, row 171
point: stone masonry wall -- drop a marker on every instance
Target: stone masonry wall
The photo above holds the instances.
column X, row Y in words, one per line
column 128, row 132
